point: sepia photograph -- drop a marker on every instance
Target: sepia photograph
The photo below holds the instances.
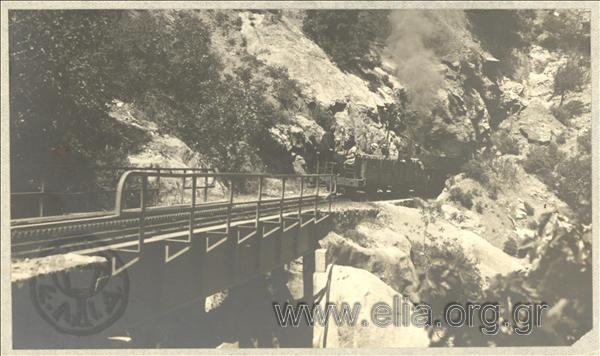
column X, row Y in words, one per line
column 297, row 176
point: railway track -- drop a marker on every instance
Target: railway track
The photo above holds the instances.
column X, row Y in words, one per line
column 38, row 237
column 30, row 239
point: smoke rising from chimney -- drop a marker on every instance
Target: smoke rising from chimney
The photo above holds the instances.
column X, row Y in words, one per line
column 418, row 40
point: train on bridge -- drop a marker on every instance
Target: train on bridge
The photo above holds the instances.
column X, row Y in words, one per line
column 143, row 197
column 370, row 176
column 376, row 175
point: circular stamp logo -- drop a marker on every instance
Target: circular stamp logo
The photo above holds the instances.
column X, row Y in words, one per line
column 84, row 300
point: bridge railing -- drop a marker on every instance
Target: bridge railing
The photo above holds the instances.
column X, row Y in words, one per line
column 271, row 207
column 228, row 180
column 276, row 201
column 47, row 202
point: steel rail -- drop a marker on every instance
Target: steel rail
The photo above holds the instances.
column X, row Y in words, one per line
column 24, row 232
column 39, row 236
column 120, row 230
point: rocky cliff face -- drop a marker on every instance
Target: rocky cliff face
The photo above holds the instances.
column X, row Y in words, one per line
column 162, row 150
column 280, row 42
column 513, row 208
column 536, row 125
column 469, row 102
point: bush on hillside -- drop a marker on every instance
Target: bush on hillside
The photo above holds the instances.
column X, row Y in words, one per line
column 225, row 117
column 501, row 31
column 72, row 64
column 479, row 207
column 477, row 170
column 491, row 172
column 584, row 142
column 570, row 77
column 447, row 275
column 505, row 143
column 541, row 161
column 569, row 177
column 464, row 198
column 346, row 35
column 565, row 30
column 561, row 276
column 287, row 91
column 511, row 247
column 561, row 139
column 62, row 78
column 574, row 185
column 564, row 113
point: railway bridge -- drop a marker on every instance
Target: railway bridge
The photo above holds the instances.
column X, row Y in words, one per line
column 172, row 238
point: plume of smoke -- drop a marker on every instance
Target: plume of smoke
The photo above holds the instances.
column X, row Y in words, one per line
column 418, row 40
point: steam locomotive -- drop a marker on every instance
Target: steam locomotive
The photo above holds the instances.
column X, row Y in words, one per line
column 424, row 176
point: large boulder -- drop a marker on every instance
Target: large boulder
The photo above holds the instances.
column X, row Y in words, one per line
column 352, row 285
column 392, row 264
column 537, row 124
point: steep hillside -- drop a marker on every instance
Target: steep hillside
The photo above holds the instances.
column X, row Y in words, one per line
column 452, row 104
column 162, row 150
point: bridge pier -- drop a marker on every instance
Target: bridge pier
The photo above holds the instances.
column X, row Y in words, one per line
column 250, row 312
column 308, row 270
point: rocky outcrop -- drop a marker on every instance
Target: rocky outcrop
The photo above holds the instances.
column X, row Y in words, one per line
column 516, row 200
column 162, row 150
column 512, row 201
column 536, row 124
column 383, row 246
column 299, row 125
column 468, row 106
column 391, row 264
column 536, row 136
column 472, row 104
column 423, row 226
column 352, row 285
column 281, row 43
